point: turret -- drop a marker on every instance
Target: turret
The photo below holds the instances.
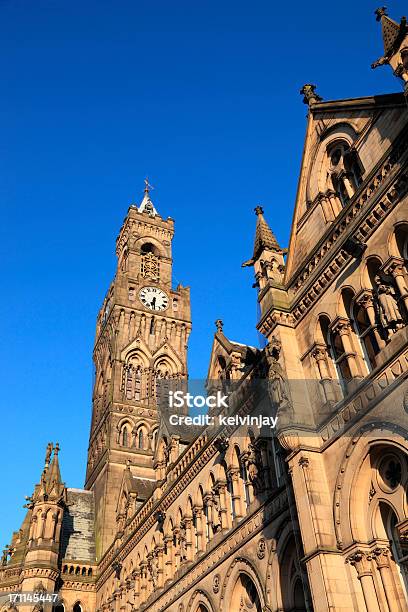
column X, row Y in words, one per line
column 269, row 265
column 395, row 40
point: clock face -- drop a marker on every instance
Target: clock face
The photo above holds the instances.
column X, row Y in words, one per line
column 154, row 298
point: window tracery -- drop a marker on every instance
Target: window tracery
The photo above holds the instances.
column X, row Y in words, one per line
column 344, row 170
column 150, row 262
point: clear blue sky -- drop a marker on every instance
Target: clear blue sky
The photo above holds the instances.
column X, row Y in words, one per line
column 203, row 97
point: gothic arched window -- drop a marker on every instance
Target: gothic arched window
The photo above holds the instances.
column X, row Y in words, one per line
column 125, row 437
column 132, row 379
column 401, row 239
column 140, row 438
column 344, row 170
column 162, row 374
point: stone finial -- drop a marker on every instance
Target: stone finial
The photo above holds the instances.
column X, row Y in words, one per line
column 380, row 12
column 56, row 450
column 219, row 325
column 309, row 94
column 48, row 453
column 258, row 210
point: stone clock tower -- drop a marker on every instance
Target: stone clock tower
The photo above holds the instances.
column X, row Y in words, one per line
column 141, row 339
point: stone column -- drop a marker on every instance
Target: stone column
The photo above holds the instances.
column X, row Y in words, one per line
column 381, row 555
column 319, row 353
column 324, row 563
column 136, row 577
column 176, row 550
column 233, row 473
column 266, row 469
column 143, row 581
column 208, row 510
column 327, row 207
column 366, row 300
column 222, row 494
column 159, row 550
column 188, row 522
column 198, row 513
column 343, row 327
column 395, row 268
column 169, row 563
column 361, row 560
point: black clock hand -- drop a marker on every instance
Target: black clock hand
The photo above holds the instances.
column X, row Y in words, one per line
column 153, row 304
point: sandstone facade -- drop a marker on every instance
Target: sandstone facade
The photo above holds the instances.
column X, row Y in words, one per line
column 232, row 518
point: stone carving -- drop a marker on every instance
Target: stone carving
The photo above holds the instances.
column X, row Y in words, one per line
column 277, row 383
column 8, row 550
column 153, row 567
column 216, row 583
column 216, row 512
column 182, row 541
column 261, row 548
column 253, row 461
column 390, row 315
column 48, row 453
column 309, row 94
column 221, row 443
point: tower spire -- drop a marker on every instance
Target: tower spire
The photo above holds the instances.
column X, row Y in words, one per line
column 264, row 238
column 393, row 35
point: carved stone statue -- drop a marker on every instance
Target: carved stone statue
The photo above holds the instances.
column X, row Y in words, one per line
column 48, row 453
column 390, row 315
column 277, row 384
column 153, row 567
column 254, row 467
column 182, row 541
column 216, row 513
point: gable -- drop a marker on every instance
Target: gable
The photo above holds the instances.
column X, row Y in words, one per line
column 365, row 128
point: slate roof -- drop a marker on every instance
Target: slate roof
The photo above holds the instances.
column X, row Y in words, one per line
column 78, row 526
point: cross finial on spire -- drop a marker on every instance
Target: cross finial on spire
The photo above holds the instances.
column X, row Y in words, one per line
column 148, row 186
column 380, row 12
column 258, row 210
